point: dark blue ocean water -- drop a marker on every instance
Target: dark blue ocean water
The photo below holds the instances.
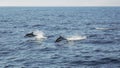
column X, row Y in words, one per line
column 101, row 26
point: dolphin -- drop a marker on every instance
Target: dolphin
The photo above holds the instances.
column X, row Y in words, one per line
column 30, row 35
column 37, row 35
column 73, row 38
column 60, row 38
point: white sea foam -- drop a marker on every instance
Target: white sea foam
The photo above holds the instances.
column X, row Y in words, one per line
column 76, row 38
column 100, row 28
column 39, row 34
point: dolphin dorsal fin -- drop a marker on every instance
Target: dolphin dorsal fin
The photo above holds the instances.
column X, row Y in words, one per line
column 60, row 38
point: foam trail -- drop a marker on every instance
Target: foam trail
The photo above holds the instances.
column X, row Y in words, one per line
column 76, row 38
column 98, row 28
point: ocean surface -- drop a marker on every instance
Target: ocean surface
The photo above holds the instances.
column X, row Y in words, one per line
column 101, row 48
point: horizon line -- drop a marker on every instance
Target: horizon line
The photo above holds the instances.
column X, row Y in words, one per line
column 61, row 6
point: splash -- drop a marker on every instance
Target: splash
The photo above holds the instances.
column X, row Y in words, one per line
column 76, row 38
column 39, row 34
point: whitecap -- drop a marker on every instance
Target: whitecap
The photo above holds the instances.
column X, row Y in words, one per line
column 100, row 28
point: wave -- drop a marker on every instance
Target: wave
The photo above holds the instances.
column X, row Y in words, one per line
column 104, row 60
